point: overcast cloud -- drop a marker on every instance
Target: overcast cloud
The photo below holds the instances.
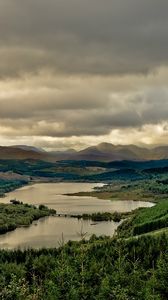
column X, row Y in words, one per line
column 78, row 72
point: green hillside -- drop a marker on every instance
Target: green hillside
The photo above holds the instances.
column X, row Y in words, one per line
column 134, row 269
column 146, row 220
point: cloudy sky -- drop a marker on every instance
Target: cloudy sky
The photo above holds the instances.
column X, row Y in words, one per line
column 75, row 73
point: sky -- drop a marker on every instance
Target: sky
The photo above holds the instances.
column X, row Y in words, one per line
column 75, row 73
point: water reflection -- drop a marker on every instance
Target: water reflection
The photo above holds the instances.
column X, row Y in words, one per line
column 47, row 232
column 52, row 195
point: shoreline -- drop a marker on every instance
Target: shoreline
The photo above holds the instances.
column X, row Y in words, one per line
column 16, row 215
column 102, row 195
column 109, row 196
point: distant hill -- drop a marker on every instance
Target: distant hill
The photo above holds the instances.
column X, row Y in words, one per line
column 104, row 152
column 108, row 152
column 18, row 153
column 29, row 148
column 62, row 155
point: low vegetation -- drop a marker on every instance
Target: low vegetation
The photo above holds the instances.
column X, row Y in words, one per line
column 105, row 216
column 18, row 214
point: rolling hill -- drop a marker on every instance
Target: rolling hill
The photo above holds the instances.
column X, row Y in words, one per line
column 108, row 152
column 20, row 153
column 104, row 152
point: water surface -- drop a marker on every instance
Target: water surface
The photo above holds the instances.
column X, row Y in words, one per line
column 53, row 195
column 48, row 231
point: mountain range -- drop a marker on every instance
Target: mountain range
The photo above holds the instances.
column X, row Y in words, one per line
column 101, row 152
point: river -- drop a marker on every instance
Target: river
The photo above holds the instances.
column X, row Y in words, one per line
column 50, row 231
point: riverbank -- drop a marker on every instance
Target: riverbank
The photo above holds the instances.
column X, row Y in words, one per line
column 135, row 191
column 145, row 221
column 106, row 216
column 7, row 186
column 47, row 232
column 138, row 190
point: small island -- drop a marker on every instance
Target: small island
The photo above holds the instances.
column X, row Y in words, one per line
column 16, row 214
column 105, row 216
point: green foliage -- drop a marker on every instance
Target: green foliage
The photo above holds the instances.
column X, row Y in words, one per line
column 15, row 215
column 146, row 220
column 101, row 268
column 90, row 171
column 99, row 217
column 162, row 275
column 7, row 186
column 153, row 213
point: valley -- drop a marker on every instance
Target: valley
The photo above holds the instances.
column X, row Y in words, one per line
column 110, row 239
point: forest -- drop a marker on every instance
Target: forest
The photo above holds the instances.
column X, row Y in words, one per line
column 87, row 171
column 99, row 269
column 7, row 186
column 146, row 220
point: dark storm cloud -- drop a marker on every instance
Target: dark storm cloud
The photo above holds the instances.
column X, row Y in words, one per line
column 51, row 104
column 81, row 116
column 82, row 69
column 76, row 36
